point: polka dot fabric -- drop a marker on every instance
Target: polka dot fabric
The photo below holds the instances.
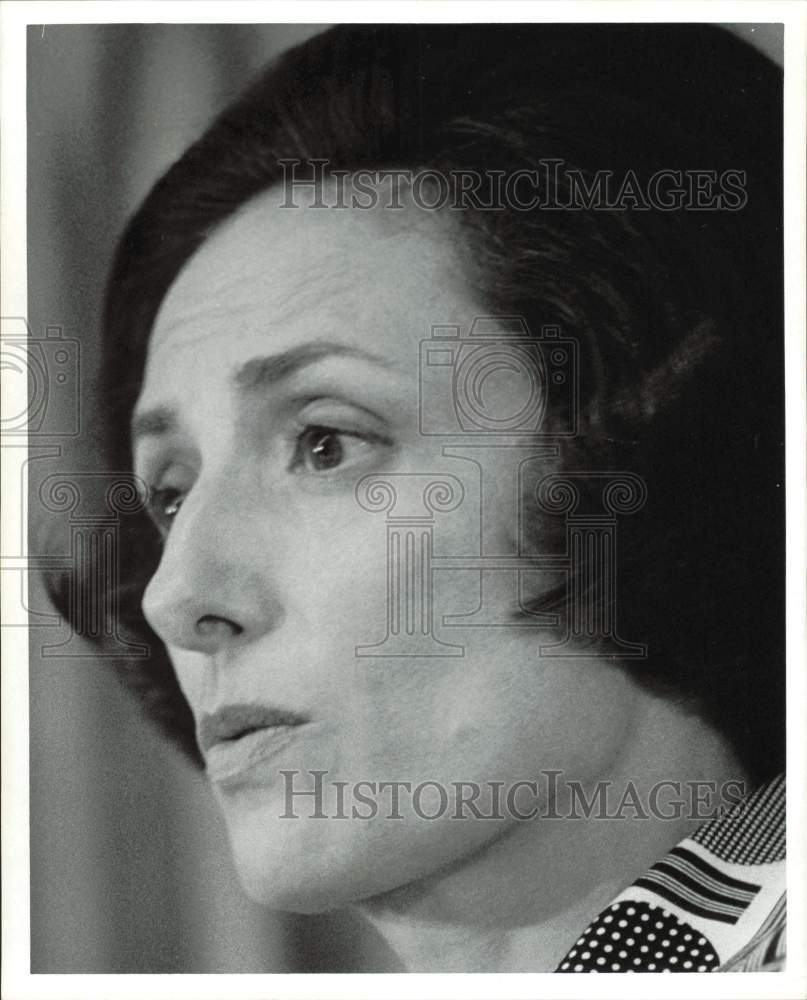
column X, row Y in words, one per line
column 716, row 902
column 636, row 937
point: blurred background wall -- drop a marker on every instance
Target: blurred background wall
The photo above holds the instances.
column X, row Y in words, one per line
column 130, row 871
column 129, row 867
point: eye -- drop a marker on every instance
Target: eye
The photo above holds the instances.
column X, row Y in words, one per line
column 321, row 448
column 163, row 506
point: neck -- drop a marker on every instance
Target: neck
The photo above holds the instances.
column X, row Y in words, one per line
column 520, row 903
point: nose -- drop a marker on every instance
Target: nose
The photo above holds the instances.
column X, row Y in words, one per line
column 215, row 586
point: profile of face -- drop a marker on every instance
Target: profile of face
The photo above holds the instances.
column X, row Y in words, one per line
column 283, row 368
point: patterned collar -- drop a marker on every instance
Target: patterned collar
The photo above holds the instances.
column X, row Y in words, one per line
column 715, row 903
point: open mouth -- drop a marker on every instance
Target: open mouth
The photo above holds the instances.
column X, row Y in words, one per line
column 239, row 741
column 233, row 722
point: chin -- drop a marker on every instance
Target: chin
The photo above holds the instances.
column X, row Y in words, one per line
column 311, row 865
column 309, row 888
column 298, row 866
column 309, row 893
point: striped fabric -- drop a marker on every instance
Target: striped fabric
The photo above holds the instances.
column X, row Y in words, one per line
column 715, row 903
column 694, row 885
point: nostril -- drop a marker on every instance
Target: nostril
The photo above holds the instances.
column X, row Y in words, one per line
column 208, row 626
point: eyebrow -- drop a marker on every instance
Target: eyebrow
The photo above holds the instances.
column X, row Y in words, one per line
column 257, row 373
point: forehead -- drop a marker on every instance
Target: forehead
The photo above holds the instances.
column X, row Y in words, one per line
column 271, row 277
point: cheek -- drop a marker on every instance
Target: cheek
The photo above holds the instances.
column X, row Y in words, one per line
column 471, row 726
column 506, row 714
column 334, row 578
column 499, row 705
column 580, row 716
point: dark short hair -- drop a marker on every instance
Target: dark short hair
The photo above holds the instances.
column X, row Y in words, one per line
column 679, row 313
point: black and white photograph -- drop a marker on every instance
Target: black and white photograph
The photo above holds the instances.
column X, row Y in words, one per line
column 403, row 499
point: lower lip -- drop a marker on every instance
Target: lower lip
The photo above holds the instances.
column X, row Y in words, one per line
column 231, row 762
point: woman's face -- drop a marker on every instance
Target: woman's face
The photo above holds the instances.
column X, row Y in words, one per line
column 283, row 368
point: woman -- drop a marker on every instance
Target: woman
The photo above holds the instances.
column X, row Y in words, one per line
column 411, row 691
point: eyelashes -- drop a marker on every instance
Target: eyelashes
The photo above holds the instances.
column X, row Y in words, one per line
column 320, row 448
column 320, row 451
column 163, row 505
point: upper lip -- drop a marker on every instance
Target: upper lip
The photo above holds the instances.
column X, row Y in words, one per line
column 233, row 721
